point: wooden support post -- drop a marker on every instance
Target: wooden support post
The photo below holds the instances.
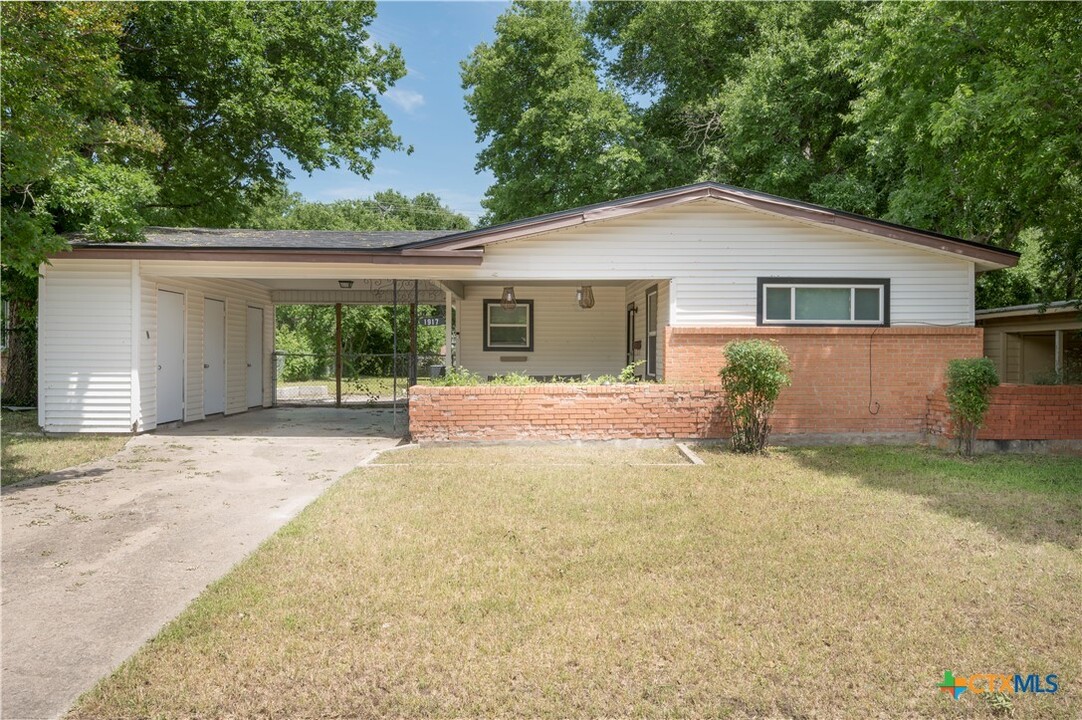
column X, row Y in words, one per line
column 338, row 354
column 448, row 303
column 413, row 343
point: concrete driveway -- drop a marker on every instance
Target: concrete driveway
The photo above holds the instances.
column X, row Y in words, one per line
column 96, row 559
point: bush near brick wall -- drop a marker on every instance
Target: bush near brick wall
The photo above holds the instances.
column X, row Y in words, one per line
column 830, row 390
column 1019, row 412
column 565, row 412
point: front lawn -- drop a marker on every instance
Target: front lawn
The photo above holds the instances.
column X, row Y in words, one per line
column 533, row 581
column 27, row 453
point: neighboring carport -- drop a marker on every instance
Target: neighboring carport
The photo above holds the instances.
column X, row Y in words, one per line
column 96, row 559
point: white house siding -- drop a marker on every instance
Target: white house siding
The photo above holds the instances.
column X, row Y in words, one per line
column 714, row 252
column 567, row 339
column 238, row 295
column 85, row 347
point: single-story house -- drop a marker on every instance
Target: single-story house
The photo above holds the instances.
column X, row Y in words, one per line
column 1033, row 343
column 181, row 327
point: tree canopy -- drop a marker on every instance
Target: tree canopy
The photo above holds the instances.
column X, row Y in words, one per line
column 116, row 115
column 385, row 210
column 955, row 117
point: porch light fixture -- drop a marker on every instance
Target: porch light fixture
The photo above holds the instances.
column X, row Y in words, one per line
column 507, row 299
column 585, row 297
column 345, row 284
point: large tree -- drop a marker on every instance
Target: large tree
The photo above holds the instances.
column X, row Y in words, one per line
column 556, row 137
column 956, row 117
column 116, row 115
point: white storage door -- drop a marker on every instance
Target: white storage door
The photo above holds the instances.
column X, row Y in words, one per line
column 213, row 356
column 255, row 357
column 170, row 356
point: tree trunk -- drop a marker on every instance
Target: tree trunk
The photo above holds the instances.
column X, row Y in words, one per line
column 20, row 371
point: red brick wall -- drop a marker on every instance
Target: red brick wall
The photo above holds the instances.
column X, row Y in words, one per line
column 1019, row 412
column 564, row 412
column 830, row 390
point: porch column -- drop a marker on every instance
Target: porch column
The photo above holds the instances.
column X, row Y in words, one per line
column 338, row 354
column 448, row 303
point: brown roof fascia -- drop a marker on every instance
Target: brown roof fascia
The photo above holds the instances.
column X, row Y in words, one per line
column 415, row 257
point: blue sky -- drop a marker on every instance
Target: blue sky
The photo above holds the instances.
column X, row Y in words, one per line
column 425, row 107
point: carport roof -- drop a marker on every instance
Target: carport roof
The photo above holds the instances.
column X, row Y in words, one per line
column 235, row 239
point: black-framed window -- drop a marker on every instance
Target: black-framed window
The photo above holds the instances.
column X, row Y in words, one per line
column 509, row 329
column 824, row 301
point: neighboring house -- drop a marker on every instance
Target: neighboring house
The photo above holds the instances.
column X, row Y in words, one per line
column 181, row 327
column 1034, row 343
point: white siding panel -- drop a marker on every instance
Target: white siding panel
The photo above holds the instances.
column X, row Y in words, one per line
column 567, row 339
column 715, row 253
column 85, row 346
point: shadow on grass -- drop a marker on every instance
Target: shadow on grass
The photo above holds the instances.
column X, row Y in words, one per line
column 1028, row 498
column 53, row 478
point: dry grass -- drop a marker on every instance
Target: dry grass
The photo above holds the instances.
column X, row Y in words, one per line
column 27, row 453
column 810, row 583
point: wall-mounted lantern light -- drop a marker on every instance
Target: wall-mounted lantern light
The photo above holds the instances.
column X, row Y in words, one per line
column 507, row 299
column 585, row 297
column 345, row 284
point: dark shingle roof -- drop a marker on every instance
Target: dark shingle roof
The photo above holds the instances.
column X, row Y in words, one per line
column 200, row 238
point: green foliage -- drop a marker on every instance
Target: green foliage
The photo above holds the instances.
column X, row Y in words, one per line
column 118, row 114
column 557, row 138
column 227, row 84
column 754, row 374
column 954, row 117
column 969, row 391
column 458, row 377
column 385, row 210
column 513, row 378
column 630, row 373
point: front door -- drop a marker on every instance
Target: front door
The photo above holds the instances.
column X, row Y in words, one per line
column 170, row 356
column 255, row 357
column 630, row 355
column 213, row 357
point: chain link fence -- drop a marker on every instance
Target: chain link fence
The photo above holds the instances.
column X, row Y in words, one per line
column 18, row 370
column 367, row 379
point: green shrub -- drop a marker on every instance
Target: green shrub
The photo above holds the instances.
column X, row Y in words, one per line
column 630, row 373
column 512, row 378
column 458, row 377
column 969, row 392
column 755, row 372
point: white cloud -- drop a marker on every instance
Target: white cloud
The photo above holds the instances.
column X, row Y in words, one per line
column 408, row 100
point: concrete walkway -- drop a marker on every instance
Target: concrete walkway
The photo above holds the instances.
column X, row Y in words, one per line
column 96, row 559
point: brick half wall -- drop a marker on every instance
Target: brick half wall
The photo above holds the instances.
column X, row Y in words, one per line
column 837, row 372
column 565, row 412
column 1019, row 412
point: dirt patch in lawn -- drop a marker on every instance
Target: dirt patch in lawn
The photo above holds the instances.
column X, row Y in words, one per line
column 801, row 584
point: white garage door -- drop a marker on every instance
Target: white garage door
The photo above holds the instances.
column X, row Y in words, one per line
column 213, row 357
column 255, row 357
column 170, row 356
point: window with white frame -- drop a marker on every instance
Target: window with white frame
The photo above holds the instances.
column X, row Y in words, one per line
column 821, row 301
column 509, row 329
